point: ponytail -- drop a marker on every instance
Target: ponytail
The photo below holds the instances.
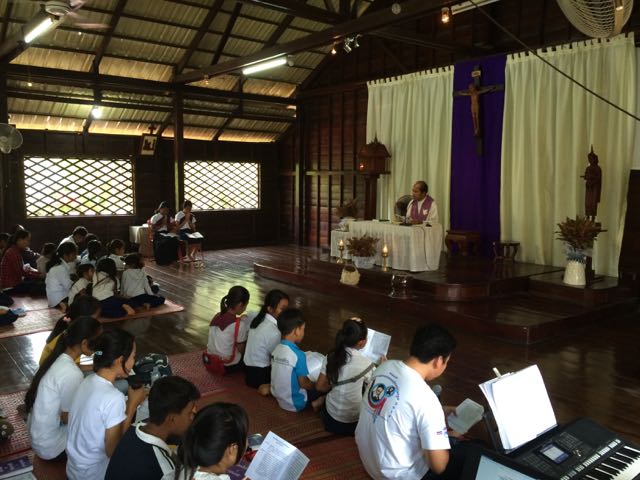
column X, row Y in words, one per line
column 82, row 328
column 272, row 300
column 237, row 295
column 107, row 266
column 110, row 346
column 64, row 248
column 352, row 332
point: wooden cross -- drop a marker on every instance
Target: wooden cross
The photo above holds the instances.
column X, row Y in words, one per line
column 152, row 128
column 474, row 92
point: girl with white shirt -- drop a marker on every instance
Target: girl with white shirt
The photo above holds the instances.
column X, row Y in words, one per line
column 263, row 338
column 82, row 285
column 54, row 385
column 92, row 253
column 135, row 283
column 345, row 374
column 48, row 250
column 100, row 414
column 59, row 269
column 105, row 289
column 115, row 248
column 215, row 442
column 186, row 223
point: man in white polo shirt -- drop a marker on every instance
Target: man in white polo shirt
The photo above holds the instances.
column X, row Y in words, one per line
column 402, row 431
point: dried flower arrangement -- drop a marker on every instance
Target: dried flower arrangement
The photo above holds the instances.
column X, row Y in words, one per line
column 364, row 246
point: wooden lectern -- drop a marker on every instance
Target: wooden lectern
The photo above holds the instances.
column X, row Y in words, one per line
column 372, row 162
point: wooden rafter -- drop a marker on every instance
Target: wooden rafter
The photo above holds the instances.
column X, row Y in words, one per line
column 390, row 53
column 292, row 7
column 411, row 9
column 280, row 29
column 227, row 32
column 165, row 123
column 344, row 7
column 204, row 27
column 236, row 114
column 5, row 23
column 113, row 22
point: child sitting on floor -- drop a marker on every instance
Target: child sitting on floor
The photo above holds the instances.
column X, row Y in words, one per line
column 228, row 331
column 91, row 237
column 215, row 442
column 59, row 269
column 48, row 249
column 135, row 283
column 115, row 249
column 92, row 253
column 105, row 289
column 290, row 384
column 85, row 276
column 346, row 372
column 263, row 338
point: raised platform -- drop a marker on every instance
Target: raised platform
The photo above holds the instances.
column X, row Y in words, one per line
column 519, row 303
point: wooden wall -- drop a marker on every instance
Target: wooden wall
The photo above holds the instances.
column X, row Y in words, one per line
column 153, row 182
column 629, row 263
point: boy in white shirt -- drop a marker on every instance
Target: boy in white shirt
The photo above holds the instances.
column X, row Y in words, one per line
column 402, row 432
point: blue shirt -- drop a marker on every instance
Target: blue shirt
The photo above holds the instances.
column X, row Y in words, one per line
column 288, row 363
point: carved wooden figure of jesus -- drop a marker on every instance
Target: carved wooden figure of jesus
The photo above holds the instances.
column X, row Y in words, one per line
column 593, row 178
column 474, row 93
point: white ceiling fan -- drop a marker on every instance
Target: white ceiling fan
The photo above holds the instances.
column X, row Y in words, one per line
column 58, row 11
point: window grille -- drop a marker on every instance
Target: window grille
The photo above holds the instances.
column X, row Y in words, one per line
column 222, row 185
column 78, row 186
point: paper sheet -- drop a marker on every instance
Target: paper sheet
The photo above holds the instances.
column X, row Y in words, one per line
column 277, row 459
column 314, row 365
column 377, row 345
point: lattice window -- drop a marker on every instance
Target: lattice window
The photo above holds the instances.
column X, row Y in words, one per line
column 222, row 185
column 78, row 186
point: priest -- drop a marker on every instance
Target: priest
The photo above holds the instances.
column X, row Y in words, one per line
column 422, row 208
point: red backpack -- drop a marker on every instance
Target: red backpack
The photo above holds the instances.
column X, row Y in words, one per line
column 216, row 365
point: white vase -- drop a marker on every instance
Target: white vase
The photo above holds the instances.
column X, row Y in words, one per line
column 364, row 262
column 574, row 274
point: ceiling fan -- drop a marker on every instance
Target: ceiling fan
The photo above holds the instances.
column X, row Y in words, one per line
column 67, row 11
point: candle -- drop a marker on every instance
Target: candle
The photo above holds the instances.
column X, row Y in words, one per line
column 341, row 243
column 385, row 250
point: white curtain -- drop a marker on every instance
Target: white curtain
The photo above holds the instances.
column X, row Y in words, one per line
column 411, row 116
column 636, row 151
column 549, row 126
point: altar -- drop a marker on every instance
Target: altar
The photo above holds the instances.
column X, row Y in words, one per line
column 415, row 248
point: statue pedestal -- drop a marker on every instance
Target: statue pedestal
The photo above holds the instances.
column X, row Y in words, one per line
column 589, row 272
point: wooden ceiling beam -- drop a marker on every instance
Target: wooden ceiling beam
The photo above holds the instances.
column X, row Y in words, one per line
column 413, row 38
column 297, row 9
column 204, row 27
column 284, row 25
column 5, row 22
column 132, row 85
column 411, row 9
column 227, row 32
column 102, row 48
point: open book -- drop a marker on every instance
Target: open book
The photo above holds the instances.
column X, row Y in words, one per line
column 521, row 406
column 17, row 469
column 194, row 235
column 277, row 459
column 314, row 364
column 468, row 413
column 377, row 345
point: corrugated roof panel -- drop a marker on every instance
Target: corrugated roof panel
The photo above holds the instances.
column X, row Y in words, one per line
column 308, row 59
column 264, row 13
column 149, row 30
column 104, row 4
column 221, row 82
column 210, row 41
column 193, row 133
column 23, row 10
column 252, row 137
column 118, row 128
column 266, row 87
column 149, row 51
column 64, row 38
column 43, row 57
column 120, row 114
column 163, row 10
column 43, row 122
column 132, row 69
column 291, row 34
column 255, row 125
column 200, row 59
column 240, row 48
column 57, row 109
column 50, row 88
column 309, row 24
column 284, row 74
column 250, row 28
column 203, row 120
column 220, row 21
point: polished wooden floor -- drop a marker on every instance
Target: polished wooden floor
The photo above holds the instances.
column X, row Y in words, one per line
column 594, row 373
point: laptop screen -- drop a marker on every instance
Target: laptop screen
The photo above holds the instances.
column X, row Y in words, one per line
column 489, row 469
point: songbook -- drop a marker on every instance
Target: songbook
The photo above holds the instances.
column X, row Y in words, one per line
column 314, row 365
column 277, row 459
column 377, row 345
column 17, row 469
column 468, row 413
column 194, row 235
column 520, row 405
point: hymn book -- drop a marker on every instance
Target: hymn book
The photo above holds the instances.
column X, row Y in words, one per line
column 194, row 235
column 377, row 345
column 277, row 459
column 468, row 413
column 17, row 469
column 520, row 405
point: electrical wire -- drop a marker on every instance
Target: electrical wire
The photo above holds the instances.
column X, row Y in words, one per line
column 561, row 72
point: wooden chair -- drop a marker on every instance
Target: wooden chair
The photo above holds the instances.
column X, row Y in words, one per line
column 463, row 241
column 505, row 250
column 180, row 242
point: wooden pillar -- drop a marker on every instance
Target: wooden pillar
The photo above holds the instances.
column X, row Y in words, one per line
column 300, row 232
column 370, row 196
column 4, row 118
column 178, row 149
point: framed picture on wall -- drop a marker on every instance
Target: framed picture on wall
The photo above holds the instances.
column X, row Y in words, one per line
column 148, row 146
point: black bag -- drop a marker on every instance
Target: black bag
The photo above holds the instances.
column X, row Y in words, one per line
column 165, row 249
column 144, row 366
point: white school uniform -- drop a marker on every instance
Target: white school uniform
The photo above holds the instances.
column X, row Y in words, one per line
column 85, row 259
column 97, row 406
column 221, row 341
column 58, row 282
column 198, row 476
column 118, row 260
column 155, row 219
column 288, row 363
column 343, row 401
column 135, row 282
column 400, row 418
column 261, row 342
column 103, row 287
column 77, row 287
column 55, row 395
column 185, row 226
column 68, row 239
column 41, row 264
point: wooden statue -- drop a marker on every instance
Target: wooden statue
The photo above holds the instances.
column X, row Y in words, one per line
column 474, row 92
column 593, row 178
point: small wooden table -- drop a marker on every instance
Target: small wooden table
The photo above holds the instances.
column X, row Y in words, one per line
column 466, row 242
column 505, row 250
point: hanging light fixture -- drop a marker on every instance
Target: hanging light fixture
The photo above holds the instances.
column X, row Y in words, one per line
column 38, row 30
column 445, row 15
column 96, row 112
column 333, row 50
column 266, row 65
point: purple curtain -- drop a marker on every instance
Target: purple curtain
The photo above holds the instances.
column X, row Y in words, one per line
column 475, row 179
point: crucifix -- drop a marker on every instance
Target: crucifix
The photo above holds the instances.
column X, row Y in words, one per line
column 152, row 128
column 474, row 92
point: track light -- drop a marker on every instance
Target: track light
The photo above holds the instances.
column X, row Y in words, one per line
column 333, row 50
column 445, row 15
column 96, row 112
column 38, row 30
column 347, row 46
column 350, row 43
column 259, row 67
